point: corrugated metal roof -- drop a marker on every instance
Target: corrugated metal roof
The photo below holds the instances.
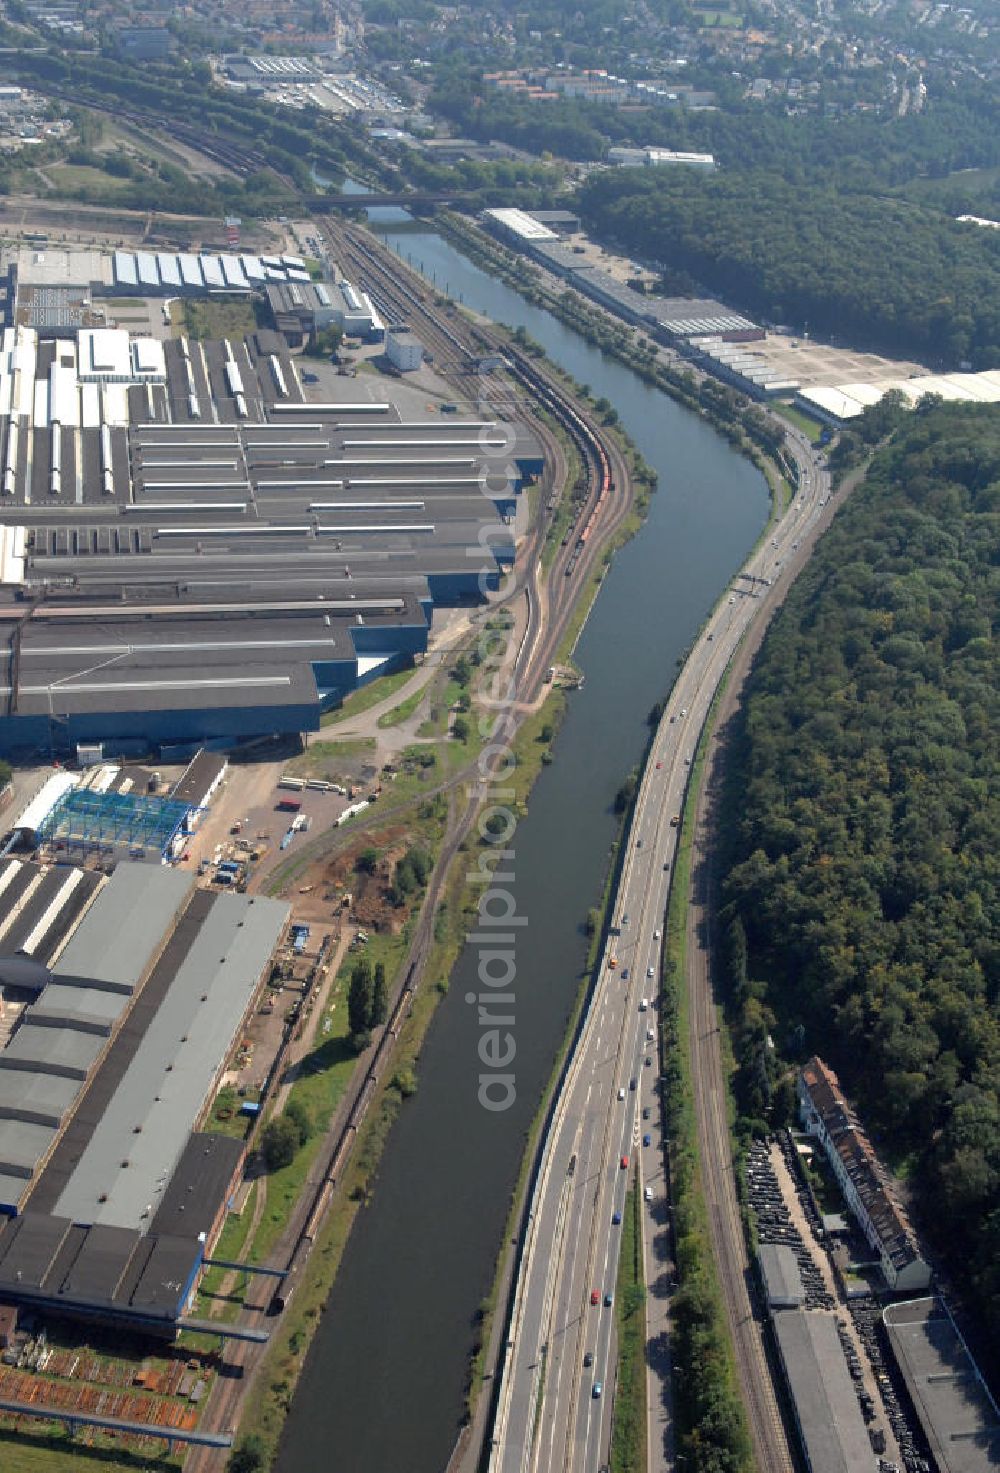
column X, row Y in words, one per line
column 124, row 928
column 174, row 1065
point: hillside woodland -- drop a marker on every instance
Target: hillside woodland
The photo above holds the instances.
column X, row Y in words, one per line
column 878, row 271
column 861, row 895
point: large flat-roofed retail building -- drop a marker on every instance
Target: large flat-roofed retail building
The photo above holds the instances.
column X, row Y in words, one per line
column 112, row 1195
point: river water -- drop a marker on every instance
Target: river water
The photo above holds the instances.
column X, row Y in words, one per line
column 383, row 1385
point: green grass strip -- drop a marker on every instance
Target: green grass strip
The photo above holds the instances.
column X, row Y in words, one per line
column 628, row 1428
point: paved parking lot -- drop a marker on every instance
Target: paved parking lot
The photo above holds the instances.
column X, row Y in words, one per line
column 812, row 364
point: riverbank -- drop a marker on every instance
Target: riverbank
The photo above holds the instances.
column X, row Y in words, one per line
column 742, row 423
column 279, row 1373
column 443, row 1150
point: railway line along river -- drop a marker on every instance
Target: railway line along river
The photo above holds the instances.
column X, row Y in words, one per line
column 383, row 1385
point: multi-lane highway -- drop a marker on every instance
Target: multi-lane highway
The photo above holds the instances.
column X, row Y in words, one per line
column 558, row 1370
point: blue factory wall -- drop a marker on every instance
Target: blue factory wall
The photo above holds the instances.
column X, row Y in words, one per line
column 127, row 731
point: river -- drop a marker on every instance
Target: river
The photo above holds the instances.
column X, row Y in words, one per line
column 383, row 1386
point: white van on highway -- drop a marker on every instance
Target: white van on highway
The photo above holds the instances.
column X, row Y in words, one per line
column 643, row 1005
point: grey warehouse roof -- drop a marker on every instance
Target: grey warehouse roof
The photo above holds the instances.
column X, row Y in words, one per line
column 782, row 1276
column 42, row 1098
column 67, row 1051
column 121, row 935
column 174, row 1065
column 957, row 1414
column 22, row 1144
column 826, row 1404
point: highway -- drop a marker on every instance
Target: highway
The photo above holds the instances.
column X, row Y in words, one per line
column 551, row 598
column 550, row 1415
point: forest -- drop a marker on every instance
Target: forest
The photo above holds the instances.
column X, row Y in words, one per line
column 882, row 273
column 862, row 808
column 862, row 151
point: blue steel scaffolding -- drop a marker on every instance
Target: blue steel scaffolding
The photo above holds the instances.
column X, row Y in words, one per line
column 87, row 822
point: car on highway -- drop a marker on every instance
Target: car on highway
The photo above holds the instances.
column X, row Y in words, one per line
column 625, row 919
column 633, row 1084
column 687, row 761
column 595, row 1296
column 658, row 766
column 616, row 1219
column 624, row 1163
column 649, row 1063
column 608, row 1301
column 612, row 963
column 624, row 974
column 650, row 972
column 666, row 864
column 648, row 1193
column 638, row 843
column 647, row 1140
column 588, row 1358
column 650, row 1035
column 621, row 1094
column 643, row 1004
column 684, row 710
column 596, row 1393
column 646, row 1113
column 656, row 935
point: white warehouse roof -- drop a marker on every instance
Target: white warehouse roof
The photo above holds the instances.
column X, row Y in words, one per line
column 519, row 222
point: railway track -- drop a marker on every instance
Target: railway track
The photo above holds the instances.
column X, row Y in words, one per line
column 459, row 349
column 240, row 160
column 605, row 504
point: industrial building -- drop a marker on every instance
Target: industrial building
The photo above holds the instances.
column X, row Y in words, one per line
column 301, row 309
column 652, row 158
column 838, row 405
column 41, row 904
column 238, row 558
column 672, row 320
column 832, row 1431
column 738, row 365
column 110, row 1195
column 959, row 1416
column 782, row 1276
column 827, row 1115
column 403, row 349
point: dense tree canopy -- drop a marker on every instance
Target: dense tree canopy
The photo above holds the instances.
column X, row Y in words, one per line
column 864, row 808
column 878, row 271
column 860, row 151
